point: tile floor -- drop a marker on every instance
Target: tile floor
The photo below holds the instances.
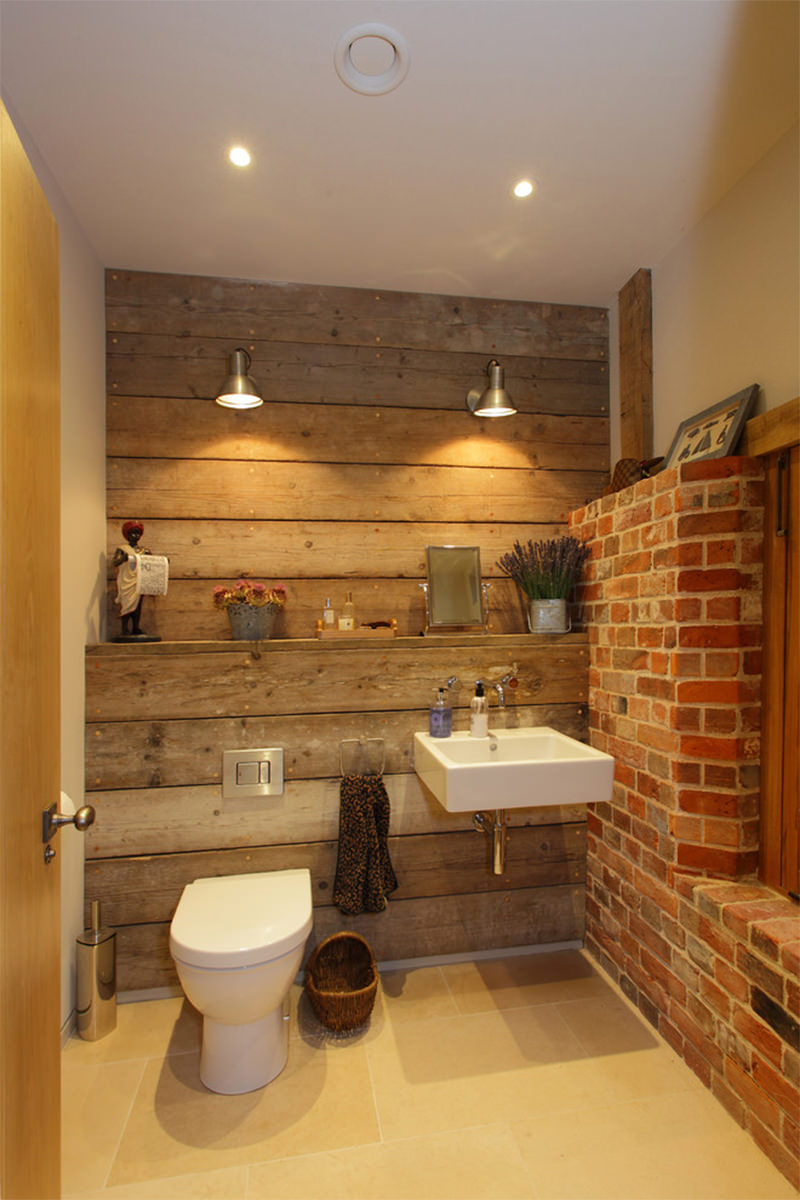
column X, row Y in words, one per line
column 515, row 1078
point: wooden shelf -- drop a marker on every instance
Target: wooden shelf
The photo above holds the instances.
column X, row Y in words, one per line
column 324, row 645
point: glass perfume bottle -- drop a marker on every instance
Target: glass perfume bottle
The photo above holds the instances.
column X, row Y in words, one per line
column 347, row 617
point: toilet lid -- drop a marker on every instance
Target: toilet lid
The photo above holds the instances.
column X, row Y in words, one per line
column 240, row 920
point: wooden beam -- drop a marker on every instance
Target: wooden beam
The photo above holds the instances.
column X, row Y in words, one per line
column 776, row 429
column 636, row 367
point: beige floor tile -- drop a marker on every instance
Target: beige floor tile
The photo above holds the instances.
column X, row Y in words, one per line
column 517, row 981
column 494, row 1067
column 95, row 1102
column 321, row 1101
column 608, row 1025
column 470, row 1164
column 436, row 1075
column 228, row 1184
column 417, row 994
column 150, row 1029
column 662, row 1148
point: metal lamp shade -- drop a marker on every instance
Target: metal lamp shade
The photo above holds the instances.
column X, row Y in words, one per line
column 239, row 390
column 493, row 401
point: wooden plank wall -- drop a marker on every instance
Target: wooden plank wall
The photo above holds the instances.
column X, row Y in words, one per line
column 362, row 454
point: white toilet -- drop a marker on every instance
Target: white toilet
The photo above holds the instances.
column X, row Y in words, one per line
column 237, row 942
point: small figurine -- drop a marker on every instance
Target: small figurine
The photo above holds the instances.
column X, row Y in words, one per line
column 130, row 585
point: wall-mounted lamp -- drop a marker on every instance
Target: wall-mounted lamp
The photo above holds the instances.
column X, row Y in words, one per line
column 493, row 401
column 239, row 390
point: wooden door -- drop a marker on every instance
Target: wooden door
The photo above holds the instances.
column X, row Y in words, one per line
column 29, row 679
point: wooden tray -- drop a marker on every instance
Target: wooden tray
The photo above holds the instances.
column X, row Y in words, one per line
column 361, row 631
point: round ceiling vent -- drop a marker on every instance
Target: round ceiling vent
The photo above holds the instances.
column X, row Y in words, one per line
column 371, row 58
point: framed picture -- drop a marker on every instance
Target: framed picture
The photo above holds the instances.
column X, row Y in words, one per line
column 714, row 432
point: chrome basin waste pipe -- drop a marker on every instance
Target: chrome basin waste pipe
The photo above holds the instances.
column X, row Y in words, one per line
column 495, row 827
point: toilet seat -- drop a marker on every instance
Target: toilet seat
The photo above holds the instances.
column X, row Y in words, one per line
column 232, row 921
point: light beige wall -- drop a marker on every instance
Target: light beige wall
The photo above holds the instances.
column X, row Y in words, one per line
column 726, row 299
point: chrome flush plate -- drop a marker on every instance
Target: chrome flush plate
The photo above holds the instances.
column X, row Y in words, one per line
column 252, row 772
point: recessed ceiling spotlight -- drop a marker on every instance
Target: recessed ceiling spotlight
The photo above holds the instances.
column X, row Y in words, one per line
column 371, row 58
column 239, row 156
column 523, row 188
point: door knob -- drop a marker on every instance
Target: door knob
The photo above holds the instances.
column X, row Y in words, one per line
column 53, row 820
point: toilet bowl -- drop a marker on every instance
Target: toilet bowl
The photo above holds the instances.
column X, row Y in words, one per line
column 237, row 942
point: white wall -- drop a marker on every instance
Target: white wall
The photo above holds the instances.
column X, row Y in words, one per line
column 83, row 534
column 83, row 543
column 726, row 299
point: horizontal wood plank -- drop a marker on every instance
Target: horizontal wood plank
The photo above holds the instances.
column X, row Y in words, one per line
column 201, row 489
column 155, row 427
column 132, row 890
column 273, row 550
column 407, row 929
column 197, row 818
column 353, row 376
column 240, row 311
column 324, row 678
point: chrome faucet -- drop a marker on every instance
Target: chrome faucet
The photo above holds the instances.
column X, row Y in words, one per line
column 508, row 679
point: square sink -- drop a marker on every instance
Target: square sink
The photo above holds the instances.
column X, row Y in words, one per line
column 529, row 767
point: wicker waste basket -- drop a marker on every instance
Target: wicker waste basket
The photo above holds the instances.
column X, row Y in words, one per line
column 342, row 981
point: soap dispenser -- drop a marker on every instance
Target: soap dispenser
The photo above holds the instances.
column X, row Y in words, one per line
column 440, row 717
column 478, row 713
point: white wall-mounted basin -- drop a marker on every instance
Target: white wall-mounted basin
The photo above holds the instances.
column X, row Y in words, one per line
column 527, row 767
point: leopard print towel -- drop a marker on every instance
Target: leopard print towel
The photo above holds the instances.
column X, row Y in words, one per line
column 364, row 873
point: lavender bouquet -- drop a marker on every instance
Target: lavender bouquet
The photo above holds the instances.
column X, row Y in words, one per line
column 546, row 570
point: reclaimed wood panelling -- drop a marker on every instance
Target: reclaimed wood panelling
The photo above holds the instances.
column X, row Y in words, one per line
column 353, row 375
column 453, row 863
column 126, row 683
column 345, row 550
column 188, row 607
column 406, row 929
column 257, row 491
column 168, row 753
column 362, row 454
column 198, row 818
column 189, row 305
column 149, row 840
column 142, row 427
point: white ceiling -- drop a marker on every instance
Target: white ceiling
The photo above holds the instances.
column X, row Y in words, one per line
column 634, row 116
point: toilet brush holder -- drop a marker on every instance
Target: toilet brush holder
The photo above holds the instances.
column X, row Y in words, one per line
column 96, row 983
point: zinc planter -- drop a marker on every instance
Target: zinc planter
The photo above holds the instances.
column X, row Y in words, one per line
column 250, row 622
column 548, row 616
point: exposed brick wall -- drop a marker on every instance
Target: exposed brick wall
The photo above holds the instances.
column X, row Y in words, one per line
column 672, row 601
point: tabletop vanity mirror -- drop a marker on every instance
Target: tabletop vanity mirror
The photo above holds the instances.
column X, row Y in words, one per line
column 455, row 596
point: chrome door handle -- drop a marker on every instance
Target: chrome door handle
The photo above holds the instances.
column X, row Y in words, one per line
column 53, row 820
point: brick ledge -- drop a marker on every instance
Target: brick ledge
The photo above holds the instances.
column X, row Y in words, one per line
column 757, row 914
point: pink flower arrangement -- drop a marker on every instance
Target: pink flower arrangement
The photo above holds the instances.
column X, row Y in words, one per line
column 245, row 591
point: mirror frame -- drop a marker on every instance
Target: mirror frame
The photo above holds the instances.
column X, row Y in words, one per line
column 455, row 596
